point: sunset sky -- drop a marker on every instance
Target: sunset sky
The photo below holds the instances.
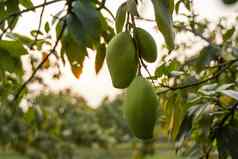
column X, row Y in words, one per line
column 93, row 87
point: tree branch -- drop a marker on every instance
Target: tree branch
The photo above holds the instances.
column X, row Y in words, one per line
column 8, row 27
column 27, row 10
column 231, row 113
column 219, row 125
column 109, row 12
column 69, row 4
column 193, row 31
column 39, row 26
column 102, row 5
column 147, row 70
column 217, row 74
column 40, row 65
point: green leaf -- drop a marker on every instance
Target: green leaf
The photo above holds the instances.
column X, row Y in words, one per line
column 207, row 54
column 184, row 129
column 229, row 2
column 85, row 23
column 21, row 38
column 228, row 34
column 108, row 35
column 26, row 3
column 3, row 13
column 232, row 133
column 201, row 111
column 164, row 22
column 166, row 69
column 132, row 7
column 187, row 4
column 227, row 138
column 58, row 29
column 173, row 104
column 57, row 16
column 161, row 70
column 74, row 50
column 10, row 63
column 222, row 150
column 36, row 32
column 76, row 28
column 14, row 48
column 47, row 27
column 121, row 17
column 230, row 93
column 100, row 56
column 12, row 7
column 224, row 86
column 209, row 89
column 171, row 6
column 2, row 10
column 235, row 51
column 39, row 44
column 177, row 6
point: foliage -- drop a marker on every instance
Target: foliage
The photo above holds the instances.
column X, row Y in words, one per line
column 198, row 95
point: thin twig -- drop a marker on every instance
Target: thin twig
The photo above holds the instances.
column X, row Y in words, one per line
column 147, row 70
column 102, row 5
column 27, row 10
column 220, row 125
column 110, row 13
column 200, row 82
column 8, row 27
column 193, row 31
column 47, row 57
column 128, row 22
column 141, row 62
column 231, row 113
column 39, row 26
column 207, row 154
column 40, row 65
column 145, row 19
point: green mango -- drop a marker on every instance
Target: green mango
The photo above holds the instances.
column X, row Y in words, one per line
column 140, row 108
column 146, row 45
column 121, row 60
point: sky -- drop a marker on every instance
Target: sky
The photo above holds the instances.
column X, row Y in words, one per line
column 95, row 87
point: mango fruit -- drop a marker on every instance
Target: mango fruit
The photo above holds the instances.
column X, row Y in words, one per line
column 140, row 108
column 146, row 45
column 121, row 60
